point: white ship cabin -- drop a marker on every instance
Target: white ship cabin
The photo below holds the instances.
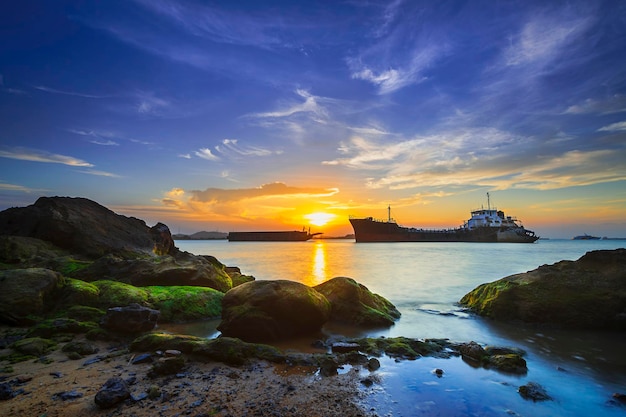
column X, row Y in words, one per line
column 490, row 218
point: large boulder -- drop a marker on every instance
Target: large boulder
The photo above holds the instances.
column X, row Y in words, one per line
column 130, row 319
column 589, row 293
column 24, row 292
column 260, row 311
column 84, row 227
column 354, row 304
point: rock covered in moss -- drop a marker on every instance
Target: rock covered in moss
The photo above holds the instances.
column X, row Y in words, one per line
column 24, row 292
column 34, row 346
column 354, row 304
column 184, row 269
column 589, row 293
column 228, row 350
column 272, row 310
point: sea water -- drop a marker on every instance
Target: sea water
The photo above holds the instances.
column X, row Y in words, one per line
column 425, row 281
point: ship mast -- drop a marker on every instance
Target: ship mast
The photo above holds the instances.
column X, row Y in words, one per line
column 389, row 213
column 488, row 203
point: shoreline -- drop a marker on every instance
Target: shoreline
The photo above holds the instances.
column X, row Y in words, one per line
column 201, row 388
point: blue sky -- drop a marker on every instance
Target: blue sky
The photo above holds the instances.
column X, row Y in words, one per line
column 247, row 115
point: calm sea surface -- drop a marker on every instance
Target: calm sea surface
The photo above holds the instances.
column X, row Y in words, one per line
column 580, row 370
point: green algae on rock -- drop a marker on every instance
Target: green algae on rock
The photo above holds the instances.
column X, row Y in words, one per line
column 353, row 303
column 589, row 293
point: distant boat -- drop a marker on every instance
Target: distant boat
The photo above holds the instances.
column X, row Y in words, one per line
column 585, row 237
column 271, row 236
column 485, row 225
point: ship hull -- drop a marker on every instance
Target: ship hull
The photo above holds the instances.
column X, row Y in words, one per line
column 369, row 230
column 278, row 236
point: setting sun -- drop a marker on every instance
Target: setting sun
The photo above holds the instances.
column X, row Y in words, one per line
column 319, row 219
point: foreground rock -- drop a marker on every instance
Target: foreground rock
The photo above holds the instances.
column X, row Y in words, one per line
column 272, row 310
column 353, row 303
column 589, row 293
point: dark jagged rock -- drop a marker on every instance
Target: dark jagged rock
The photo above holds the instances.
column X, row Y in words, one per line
column 114, row 391
column 589, row 293
column 24, row 292
column 354, row 304
column 81, row 226
column 533, row 391
column 271, row 310
column 130, row 319
column 163, row 242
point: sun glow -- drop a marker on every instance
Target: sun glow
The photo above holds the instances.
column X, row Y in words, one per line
column 319, row 218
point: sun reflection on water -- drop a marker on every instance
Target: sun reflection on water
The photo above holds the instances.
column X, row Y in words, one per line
column 318, row 265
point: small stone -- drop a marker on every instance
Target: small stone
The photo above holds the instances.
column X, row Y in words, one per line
column 368, row 382
column 373, row 364
column 143, row 358
column 620, row 397
column 438, row 372
column 173, row 352
column 67, row 395
column 6, row 392
column 533, row 391
column 112, row 393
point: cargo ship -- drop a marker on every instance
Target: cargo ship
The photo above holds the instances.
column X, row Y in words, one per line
column 484, row 225
column 271, row 236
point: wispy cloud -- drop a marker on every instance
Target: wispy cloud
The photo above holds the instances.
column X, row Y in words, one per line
column 613, row 104
column 232, row 147
column 205, row 153
column 392, row 79
column 35, row 155
column 484, row 157
column 106, row 138
column 9, row 89
column 545, row 38
column 19, row 188
column 614, row 127
column 68, row 93
column 311, row 105
column 100, row 173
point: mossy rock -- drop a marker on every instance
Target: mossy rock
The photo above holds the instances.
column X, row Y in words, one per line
column 60, row 326
column 228, row 350
column 589, row 293
column 78, row 292
column 354, row 304
column 34, row 346
column 233, row 351
column 25, row 292
column 164, row 341
column 80, row 348
column 183, row 303
column 116, row 294
column 509, row 363
column 401, row 347
column 84, row 313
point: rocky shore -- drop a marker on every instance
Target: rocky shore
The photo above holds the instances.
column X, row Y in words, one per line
column 82, row 290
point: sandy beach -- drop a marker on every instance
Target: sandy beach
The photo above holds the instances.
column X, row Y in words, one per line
column 201, row 389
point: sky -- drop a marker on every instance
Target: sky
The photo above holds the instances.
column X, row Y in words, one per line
column 279, row 115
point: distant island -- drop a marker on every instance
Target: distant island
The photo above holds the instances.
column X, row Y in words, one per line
column 202, row 236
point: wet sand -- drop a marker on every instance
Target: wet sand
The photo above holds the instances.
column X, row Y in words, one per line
column 200, row 389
